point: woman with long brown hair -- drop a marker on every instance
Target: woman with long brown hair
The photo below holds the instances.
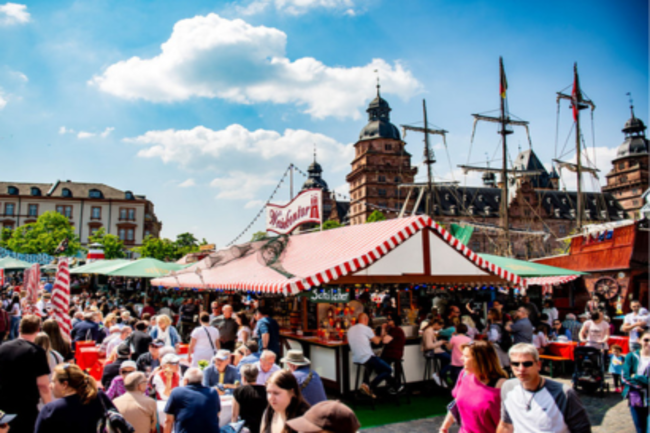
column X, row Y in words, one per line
column 285, row 403
column 79, row 405
column 57, row 341
column 477, row 393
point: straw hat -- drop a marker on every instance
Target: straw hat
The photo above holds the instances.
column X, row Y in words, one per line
column 295, row 357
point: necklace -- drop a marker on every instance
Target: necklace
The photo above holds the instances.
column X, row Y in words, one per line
column 532, row 397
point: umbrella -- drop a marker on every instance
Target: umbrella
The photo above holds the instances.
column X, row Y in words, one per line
column 100, row 266
column 144, row 268
column 10, row 263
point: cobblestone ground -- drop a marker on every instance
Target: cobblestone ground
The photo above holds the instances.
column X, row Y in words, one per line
column 608, row 414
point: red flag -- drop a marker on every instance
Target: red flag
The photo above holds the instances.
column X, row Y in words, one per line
column 32, row 278
column 503, row 83
column 575, row 94
column 61, row 297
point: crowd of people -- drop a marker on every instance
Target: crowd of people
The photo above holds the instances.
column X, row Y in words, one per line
column 234, row 352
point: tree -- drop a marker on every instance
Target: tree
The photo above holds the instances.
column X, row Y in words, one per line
column 161, row 249
column 258, row 236
column 186, row 243
column 375, row 216
column 331, row 224
column 44, row 236
column 113, row 245
column 5, row 235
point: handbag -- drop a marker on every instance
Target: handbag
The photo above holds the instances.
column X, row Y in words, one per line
column 113, row 421
column 214, row 351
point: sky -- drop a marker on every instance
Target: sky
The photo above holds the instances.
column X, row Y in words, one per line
column 202, row 105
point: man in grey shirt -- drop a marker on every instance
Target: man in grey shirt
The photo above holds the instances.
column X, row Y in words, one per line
column 522, row 329
column 227, row 327
column 531, row 403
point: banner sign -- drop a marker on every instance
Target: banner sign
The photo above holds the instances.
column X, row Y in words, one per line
column 307, row 207
column 41, row 259
column 327, row 296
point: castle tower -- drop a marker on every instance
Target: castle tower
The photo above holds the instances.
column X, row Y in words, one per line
column 628, row 179
column 380, row 164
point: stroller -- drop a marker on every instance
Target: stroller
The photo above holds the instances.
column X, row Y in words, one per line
column 589, row 374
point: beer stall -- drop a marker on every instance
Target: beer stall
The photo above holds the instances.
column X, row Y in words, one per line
column 317, row 283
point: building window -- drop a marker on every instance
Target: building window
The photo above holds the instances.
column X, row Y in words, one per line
column 10, row 208
column 94, row 230
column 12, row 190
column 147, row 233
column 96, row 213
column 381, row 178
column 388, row 147
column 397, row 179
column 562, row 230
column 381, row 192
column 95, row 193
column 65, row 211
column 122, row 234
column 32, row 210
column 66, row 193
column 129, row 195
column 8, row 225
column 122, row 214
column 621, row 165
column 130, row 234
column 623, row 178
column 130, row 214
column 36, row 191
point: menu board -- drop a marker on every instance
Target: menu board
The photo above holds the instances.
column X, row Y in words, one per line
column 311, row 311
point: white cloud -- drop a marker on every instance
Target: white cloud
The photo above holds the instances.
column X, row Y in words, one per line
column 188, row 183
column 107, row 132
column 296, row 7
column 84, row 134
column 254, row 204
column 239, row 185
column 3, row 102
column 603, row 159
column 13, row 13
column 213, row 57
column 64, row 130
column 202, row 147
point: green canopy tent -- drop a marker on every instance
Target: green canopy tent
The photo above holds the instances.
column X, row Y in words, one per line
column 99, row 266
column 534, row 273
column 11, row 263
column 144, row 268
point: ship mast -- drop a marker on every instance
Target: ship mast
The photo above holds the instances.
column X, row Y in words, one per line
column 578, row 102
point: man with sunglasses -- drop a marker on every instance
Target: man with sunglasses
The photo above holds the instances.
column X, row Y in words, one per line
column 532, row 403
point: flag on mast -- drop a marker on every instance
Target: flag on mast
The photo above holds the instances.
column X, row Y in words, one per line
column 503, row 83
column 61, row 297
column 31, row 280
column 575, row 93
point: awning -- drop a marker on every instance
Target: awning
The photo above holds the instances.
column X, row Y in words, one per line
column 141, row 268
column 535, row 274
column 403, row 249
column 11, row 263
column 550, row 281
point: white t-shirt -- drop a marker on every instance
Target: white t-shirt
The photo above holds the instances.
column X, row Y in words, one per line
column 631, row 319
column 205, row 348
column 240, row 333
column 596, row 332
column 359, row 340
column 15, row 309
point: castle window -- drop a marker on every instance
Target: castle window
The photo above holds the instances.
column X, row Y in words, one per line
column 66, row 192
column 388, row 147
column 621, row 165
column 381, row 192
column 556, row 213
column 572, row 212
column 603, row 214
column 95, row 193
column 398, row 180
column 12, row 190
column 562, row 230
column 480, row 197
column 381, row 178
column 36, row 191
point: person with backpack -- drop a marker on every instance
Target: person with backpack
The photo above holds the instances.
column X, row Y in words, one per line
column 498, row 336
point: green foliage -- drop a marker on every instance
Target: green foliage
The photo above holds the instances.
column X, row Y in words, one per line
column 161, row 249
column 5, row 235
column 258, row 236
column 113, row 246
column 44, row 235
column 186, row 243
column 375, row 216
column 331, row 224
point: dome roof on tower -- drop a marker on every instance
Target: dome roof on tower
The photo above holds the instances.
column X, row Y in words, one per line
column 379, row 125
column 635, row 142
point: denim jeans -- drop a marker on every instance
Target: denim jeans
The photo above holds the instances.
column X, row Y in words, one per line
column 15, row 324
column 382, row 370
column 445, row 363
column 640, row 418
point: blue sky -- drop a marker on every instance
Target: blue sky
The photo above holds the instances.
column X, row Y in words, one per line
column 201, row 105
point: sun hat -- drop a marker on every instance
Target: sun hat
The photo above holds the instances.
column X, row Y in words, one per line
column 170, row 358
column 128, row 364
column 295, row 357
column 327, row 415
column 222, row 355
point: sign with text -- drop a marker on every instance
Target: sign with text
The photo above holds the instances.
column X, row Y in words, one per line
column 327, row 296
column 307, row 207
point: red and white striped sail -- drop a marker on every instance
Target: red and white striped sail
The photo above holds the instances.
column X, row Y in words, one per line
column 61, row 297
column 31, row 283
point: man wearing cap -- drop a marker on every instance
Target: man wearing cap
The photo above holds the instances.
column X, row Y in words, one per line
column 113, row 369
column 249, row 353
column 138, row 409
column 221, row 375
column 327, row 416
column 150, row 360
column 5, row 419
column 309, row 381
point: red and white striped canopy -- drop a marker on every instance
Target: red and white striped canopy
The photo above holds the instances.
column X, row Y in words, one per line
column 550, row 281
column 317, row 258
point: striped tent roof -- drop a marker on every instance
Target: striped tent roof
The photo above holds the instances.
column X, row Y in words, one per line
column 312, row 259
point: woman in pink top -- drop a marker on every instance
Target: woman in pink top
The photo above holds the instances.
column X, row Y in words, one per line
column 478, row 391
column 455, row 344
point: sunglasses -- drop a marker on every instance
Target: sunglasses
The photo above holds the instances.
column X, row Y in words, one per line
column 526, row 364
column 646, row 340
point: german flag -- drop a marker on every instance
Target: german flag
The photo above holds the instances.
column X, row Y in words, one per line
column 503, row 83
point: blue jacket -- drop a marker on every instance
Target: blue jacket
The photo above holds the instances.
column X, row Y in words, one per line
column 173, row 335
column 211, row 376
column 250, row 359
column 631, row 379
column 85, row 330
column 313, row 392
